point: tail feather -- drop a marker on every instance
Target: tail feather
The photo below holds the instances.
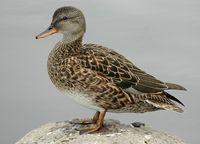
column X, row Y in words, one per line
column 175, row 86
column 165, row 106
column 163, row 100
column 173, row 98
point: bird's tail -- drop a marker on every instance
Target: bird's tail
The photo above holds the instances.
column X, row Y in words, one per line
column 164, row 100
column 175, row 86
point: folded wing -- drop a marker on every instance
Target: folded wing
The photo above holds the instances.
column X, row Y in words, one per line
column 121, row 71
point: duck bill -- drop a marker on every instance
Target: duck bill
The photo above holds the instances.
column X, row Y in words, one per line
column 49, row 31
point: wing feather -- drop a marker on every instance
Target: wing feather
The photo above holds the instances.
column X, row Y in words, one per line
column 119, row 70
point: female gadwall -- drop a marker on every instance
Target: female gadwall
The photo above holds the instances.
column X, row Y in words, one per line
column 100, row 78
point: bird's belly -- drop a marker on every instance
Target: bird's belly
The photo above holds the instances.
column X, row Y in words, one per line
column 82, row 99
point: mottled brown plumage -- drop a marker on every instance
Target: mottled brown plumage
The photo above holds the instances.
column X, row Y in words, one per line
column 100, row 78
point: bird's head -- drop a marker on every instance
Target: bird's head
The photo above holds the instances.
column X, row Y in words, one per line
column 69, row 21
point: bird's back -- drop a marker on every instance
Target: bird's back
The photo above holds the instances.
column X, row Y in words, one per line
column 121, row 71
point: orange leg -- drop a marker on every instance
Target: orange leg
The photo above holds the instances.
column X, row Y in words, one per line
column 88, row 121
column 95, row 127
column 96, row 117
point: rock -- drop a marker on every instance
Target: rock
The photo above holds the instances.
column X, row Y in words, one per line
column 113, row 133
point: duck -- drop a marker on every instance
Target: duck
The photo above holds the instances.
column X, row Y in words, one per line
column 100, row 78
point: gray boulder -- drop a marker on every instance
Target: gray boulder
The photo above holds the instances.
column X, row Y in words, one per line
column 113, row 133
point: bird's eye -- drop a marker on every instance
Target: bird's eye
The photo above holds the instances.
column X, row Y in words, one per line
column 65, row 18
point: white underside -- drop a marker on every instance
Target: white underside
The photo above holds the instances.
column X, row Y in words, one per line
column 88, row 102
column 82, row 99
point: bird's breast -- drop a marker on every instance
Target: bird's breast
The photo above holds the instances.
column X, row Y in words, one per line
column 61, row 69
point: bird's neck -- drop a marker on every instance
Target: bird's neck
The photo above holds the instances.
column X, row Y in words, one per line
column 71, row 47
column 71, row 37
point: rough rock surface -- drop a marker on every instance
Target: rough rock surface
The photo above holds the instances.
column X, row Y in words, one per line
column 112, row 133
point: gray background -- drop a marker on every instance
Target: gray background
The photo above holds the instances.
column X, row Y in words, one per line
column 159, row 36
